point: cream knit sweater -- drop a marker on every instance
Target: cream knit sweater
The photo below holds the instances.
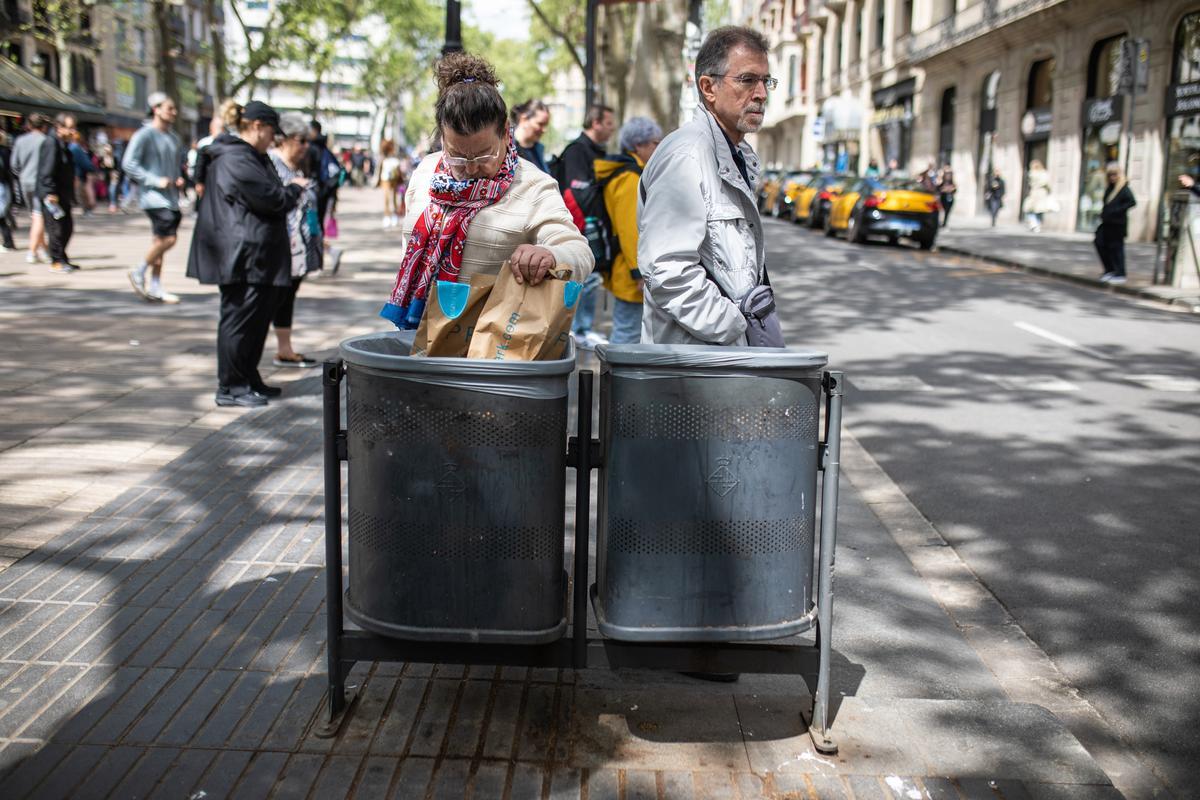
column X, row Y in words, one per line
column 530, row 212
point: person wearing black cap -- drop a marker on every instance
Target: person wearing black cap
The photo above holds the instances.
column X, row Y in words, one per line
column 241, row 244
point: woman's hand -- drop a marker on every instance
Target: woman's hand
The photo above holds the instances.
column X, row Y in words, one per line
column 530, row 263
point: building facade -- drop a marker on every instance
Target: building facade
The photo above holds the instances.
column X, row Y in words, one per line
column 347, row 118
column 110, row 57
column 983, row 85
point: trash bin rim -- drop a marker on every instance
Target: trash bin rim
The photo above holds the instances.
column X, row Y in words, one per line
column 485, row 369
column 708, row 356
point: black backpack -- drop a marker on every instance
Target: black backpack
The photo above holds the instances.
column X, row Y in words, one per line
column 586, row 203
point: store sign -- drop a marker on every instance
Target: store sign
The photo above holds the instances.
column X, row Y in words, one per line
column 1098, row 112
column 895, row 94
column 1037, row 123
column 818, row 128
column 1183, row 99
column 126, row 89
column 886, row 116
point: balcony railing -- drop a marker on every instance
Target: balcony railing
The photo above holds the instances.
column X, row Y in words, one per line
column 970, row 23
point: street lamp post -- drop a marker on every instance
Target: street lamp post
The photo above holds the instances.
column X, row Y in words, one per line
column 453, row 27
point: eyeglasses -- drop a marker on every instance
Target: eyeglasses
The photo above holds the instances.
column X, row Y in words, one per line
column 459, row 161
column 749, row 81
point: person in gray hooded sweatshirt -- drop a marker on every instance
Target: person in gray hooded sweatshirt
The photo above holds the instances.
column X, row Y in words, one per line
column 152, row 161
column 698, row 221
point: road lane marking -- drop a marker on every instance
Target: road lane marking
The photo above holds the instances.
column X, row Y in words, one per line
column 890, row 383
column 1064, row 341
column 1166, row 383
column 1031, row 383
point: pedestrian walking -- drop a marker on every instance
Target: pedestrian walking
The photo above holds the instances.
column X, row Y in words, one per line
column 476, row 204
column 241, row 244
column 946, row 190
column 1114, row 224
column 7, row 245
column 575, row 170
column 327, row 172
column 872, row 170
column 56, row 190
column 1039, row 201
column 391, row 176
column 152, row 160
column 530, row 120
column 304, row 234
column 929, row 179
column 26, row 151
column 701, row 248
column 85, row 196
column 993, row 194
column 621, row 174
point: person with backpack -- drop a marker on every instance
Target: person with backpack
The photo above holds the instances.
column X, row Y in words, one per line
column 324, row 168
column 620, row 176
column 576, row 175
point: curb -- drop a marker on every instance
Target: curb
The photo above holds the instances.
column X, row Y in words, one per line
column 1191, row 304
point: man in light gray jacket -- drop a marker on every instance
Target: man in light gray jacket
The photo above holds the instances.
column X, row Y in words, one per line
column 700, row 246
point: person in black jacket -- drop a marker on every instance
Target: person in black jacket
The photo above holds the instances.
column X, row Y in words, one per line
column 1114, row 221
column 241, row 244
column 56, row 190
column 6, row 194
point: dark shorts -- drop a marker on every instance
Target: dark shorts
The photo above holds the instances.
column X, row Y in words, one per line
column 163, row 221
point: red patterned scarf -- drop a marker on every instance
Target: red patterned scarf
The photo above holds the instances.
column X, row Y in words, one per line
column 435, row 246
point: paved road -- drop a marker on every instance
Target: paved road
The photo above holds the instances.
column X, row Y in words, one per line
column 1051, row 434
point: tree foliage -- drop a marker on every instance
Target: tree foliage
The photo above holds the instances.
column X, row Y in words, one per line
column 557, row 30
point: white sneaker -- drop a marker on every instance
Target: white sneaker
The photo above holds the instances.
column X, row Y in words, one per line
column 7, row 249
column 387, row 222
column 137, row 279
column 595, row 338
column 159, row 296
column 1117, row 280
column 1108, row 276
column 34, row 258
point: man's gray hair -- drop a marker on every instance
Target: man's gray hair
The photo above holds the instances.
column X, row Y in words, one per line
column 293, row 123
column 637, row 131
column 714, row 53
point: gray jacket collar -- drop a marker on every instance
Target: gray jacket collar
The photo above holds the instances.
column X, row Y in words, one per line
column 726, row 167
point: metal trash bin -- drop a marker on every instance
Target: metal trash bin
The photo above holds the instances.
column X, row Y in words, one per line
column 457, row 482
column 707, row 493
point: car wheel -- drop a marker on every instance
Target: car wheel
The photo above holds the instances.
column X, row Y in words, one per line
column 854, row 230
column 829, row 231
column 893, row 240
column 813, row 220
column 925, row 243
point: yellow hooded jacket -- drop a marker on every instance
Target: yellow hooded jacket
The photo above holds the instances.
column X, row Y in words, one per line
column 620, row 199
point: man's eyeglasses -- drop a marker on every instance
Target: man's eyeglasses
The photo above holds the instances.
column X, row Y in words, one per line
column 460, row 162
column 749, row 81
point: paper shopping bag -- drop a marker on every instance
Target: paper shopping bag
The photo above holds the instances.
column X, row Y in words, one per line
column 450, row 317
column 520, row 322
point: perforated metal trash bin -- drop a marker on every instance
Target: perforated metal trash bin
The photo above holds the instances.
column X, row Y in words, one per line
column 707, row 492
column 456, row 494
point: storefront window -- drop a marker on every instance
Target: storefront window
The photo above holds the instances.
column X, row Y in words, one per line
column 1102, row 116
column 946, row 131
column 987, row 128
column 1183, row 123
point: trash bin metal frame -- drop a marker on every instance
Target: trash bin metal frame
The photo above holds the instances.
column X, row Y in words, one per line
column 345, row 647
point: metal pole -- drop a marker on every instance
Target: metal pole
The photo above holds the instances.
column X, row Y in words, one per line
column 453, row 27
column 332, row 383
column 819, row 729
column 589, row 71
column 583, row 509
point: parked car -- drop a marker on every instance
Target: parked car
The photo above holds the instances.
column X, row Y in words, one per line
column 812, row 202
column 768, row 189
column 891, row 207
column 790, row 188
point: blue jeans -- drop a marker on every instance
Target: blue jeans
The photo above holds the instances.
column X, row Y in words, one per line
column 585, row 314
column 627, row 322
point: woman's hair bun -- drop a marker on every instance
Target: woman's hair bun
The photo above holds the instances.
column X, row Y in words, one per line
column 457, row 68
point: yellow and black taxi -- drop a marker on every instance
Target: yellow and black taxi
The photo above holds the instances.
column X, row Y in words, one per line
column 891, row 207
column 789, row 189
column 768, row 189
column 812, row 202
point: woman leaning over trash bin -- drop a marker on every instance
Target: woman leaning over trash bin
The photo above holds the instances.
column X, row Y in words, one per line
column 475, row 205
column 241, row 244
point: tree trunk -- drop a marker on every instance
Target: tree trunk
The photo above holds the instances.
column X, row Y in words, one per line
column 167, row 82
column 658, row 61
column 217, row 44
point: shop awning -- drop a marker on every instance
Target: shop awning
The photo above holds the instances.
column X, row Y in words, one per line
column 23, row 92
